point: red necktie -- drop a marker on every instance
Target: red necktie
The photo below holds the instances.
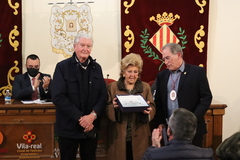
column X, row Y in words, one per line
column 35, row 93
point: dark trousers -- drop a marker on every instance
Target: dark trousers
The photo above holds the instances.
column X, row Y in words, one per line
column 129, row 155
column 198, row 141
column 68, row 148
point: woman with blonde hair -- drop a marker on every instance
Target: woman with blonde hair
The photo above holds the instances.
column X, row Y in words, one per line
column 129, row 132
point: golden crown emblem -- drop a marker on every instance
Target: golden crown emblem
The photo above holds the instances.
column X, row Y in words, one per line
column 165, row 18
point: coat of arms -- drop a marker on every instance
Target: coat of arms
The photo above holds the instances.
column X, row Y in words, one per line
column 66, row 23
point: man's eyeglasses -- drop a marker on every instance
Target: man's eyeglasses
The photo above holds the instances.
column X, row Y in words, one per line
column 168, row 58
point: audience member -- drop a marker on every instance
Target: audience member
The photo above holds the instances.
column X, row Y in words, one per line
column 181, row 130
column 229, row 149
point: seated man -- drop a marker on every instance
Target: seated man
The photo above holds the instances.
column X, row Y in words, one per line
column 229, row 149
column 32, row 85
column 181, row 130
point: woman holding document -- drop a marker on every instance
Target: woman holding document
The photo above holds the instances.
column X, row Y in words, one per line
column 129, row 132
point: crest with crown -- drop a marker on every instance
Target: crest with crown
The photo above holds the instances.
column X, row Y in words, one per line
column 164, row 35
column 165, row 18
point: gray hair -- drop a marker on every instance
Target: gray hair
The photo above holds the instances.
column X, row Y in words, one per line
column 174, row 48
column 82, row 35
column 183, row 124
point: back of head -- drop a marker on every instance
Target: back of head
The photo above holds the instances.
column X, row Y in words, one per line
column 183, row 124
column 229, row 149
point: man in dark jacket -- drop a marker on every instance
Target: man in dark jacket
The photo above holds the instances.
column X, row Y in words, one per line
column 79, row 93
column 181, row 130
column 182, row 85
column 33, row 84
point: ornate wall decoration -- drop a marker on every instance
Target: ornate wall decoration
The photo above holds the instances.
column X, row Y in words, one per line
column 177, row 21
column 128, row 5
column 201, row 5
column 164, row 35
column 10, row 42
column 12, row 38
column 66, row 23
column 128, row 33
column 10, row 78
column 197, row 37
column 15, row 6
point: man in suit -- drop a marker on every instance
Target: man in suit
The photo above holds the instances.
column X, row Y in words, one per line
column 181, row 130
column 182, row 85
column 33, row 84
column 79, row 93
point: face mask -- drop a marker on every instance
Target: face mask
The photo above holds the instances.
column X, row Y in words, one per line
column 32, row 71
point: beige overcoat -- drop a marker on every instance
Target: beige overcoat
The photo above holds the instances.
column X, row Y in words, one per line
column 118, row 122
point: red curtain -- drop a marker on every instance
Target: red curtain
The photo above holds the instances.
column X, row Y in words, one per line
column 10, row 42
column 146, row 25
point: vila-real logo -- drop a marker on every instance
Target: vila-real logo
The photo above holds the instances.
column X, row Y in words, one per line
column 29, row 137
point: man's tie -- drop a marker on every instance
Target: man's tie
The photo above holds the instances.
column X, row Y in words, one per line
column 35, row 93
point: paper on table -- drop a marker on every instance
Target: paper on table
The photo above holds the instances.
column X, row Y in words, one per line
column 38, row 101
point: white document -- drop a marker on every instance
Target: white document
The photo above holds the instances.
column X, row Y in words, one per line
column 132, row 100
column 37, row 101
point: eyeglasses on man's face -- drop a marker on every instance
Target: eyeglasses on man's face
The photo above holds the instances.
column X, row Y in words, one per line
column 168, row 58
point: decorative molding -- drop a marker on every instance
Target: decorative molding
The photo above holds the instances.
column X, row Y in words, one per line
column 14, row 43
column 197, row 37
column 9, row 79
column 125, row 3
column 15, row 6
column 129, row 33
column 201, row 5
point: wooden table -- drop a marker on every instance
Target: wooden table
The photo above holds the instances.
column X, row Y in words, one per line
column 27, row 131
column 214, row 120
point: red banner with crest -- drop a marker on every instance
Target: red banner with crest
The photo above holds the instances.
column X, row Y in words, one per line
column 146, row 26
column 10, row 42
